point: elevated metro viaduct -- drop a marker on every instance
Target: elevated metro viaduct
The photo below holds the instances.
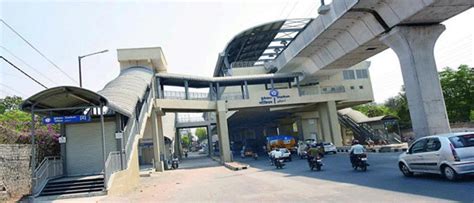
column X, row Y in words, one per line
column 301, row 59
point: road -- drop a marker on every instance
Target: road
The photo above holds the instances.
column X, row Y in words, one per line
column 203, row 180
column 383, row 174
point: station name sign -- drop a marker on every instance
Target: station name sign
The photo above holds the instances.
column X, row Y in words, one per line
column 67, row 119
column 274, row 98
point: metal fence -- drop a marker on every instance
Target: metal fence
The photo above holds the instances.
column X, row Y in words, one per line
column 324, row 90
column 182, row 95
column 50, row 167
column 112, row 165
column 232, row 96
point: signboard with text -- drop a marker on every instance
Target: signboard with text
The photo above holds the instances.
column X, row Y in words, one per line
column 274, row 98
column 67, row 119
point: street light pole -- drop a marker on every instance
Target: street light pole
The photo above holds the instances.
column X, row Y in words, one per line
column 80, row 65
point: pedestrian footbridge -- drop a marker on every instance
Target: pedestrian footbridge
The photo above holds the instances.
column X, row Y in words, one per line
column 100, row 131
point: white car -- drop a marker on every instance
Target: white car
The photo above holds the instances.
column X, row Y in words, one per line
column 450, row 155
column 329, row 148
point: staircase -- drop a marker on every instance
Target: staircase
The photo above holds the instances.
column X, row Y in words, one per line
column 74, row 185
column 362, row 132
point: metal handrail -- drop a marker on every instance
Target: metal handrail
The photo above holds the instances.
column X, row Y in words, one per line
column 231, row 96
column 182, row 95
column 324, row 90
column 50, row 167
column 112, row 165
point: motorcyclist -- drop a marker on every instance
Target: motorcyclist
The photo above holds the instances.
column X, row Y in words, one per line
column 276, row 154
column 313, row 152
column 356, row 151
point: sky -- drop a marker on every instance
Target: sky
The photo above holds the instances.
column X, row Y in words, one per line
column 191, row 34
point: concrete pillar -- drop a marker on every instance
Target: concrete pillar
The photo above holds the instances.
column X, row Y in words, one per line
column 331, row 128
column 223, row 132
column 414, row 46
column 209, row 140
column 158, row 140
column 299, row 125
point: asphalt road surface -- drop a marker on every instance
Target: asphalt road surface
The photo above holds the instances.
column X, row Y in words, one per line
column 382, row 174
column 204, row 180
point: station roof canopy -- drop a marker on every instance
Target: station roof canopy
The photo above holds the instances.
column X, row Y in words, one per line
column 259, row 44
column 203, row 82
column 58, row 99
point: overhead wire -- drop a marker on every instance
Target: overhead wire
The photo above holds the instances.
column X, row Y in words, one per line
column 23, row 61
column 24, row 73
column 38, row 51
column 291, row 11
column 10, row 88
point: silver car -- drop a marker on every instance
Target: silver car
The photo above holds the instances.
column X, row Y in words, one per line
column 450, row 155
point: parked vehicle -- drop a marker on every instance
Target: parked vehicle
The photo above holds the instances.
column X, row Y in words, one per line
column 315, row 163
column 450, row 155
column 248, row 152
column 360, row 161
column 279, row 163
column 329, row 148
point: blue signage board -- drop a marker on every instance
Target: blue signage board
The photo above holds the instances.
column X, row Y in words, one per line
column 66, row 119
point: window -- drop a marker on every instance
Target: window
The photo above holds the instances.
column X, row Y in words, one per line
column 362, row 73
column 433, row 144
column 348, row 75
column 361, row 87
column 352, row 87
column 462, row 141
column 419, row 146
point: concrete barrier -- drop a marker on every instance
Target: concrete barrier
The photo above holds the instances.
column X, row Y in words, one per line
column 379, row 149
column 235, row 166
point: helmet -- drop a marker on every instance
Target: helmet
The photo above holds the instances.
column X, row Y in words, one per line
column 354, row 142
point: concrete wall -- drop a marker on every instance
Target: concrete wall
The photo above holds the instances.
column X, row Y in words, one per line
column 15, row 171
column 125, row 181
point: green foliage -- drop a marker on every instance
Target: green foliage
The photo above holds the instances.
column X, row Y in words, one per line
column 399, row 106
column 373, row 110
column 9, row 103
column 185, row 141
column 201, row 133
column 16, row 119
column 458, row 91
column 15, row 128
column 471, row 117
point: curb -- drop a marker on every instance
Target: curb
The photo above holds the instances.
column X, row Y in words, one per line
column 380, row 150
column 235, row 166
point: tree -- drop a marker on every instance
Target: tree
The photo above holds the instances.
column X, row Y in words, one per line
column 458, row 91
column 201, row 133
column 373, row 110
column 185, row 141
column 399, row 106
column 10, row 103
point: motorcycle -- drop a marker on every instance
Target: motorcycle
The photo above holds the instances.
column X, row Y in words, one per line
column 360, row 161
column 174, row 163
column 315, row 163
column 303, row 155
column 279, row 163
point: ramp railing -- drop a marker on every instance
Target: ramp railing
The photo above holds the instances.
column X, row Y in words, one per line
column 112, row 165
column 50, row 167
